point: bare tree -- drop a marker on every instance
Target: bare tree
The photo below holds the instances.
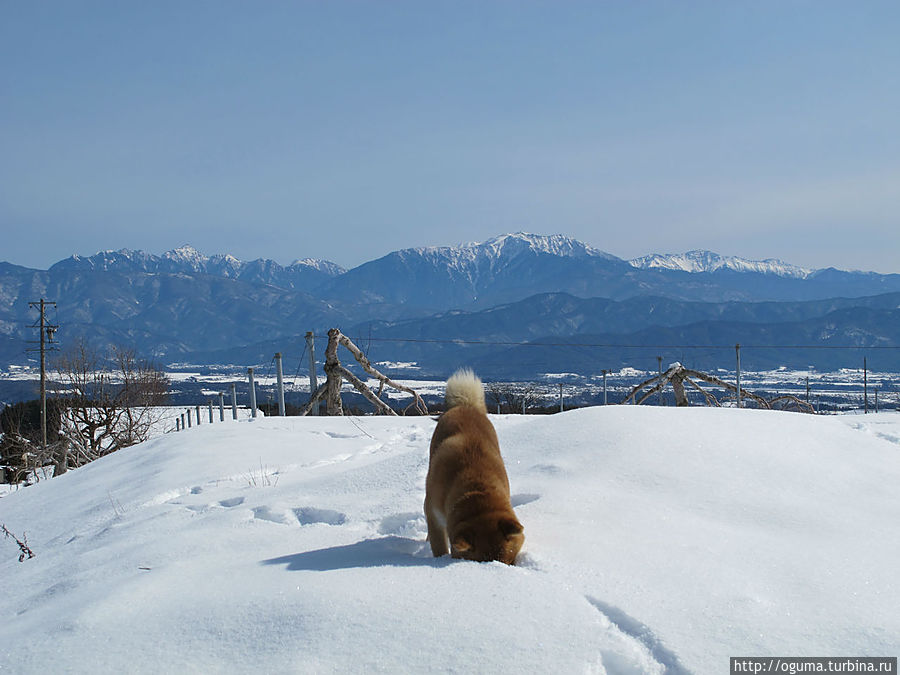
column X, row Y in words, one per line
column 106, row 402
column 23, row 458
column 143, row 387
column 511, row 397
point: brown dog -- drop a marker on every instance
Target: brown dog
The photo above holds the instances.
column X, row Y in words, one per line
column 467, row 490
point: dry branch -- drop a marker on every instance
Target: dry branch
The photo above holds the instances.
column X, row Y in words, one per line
column 650, row 393
column 383, row 379
column 677, row 375
column 25, row 551
column 336, row 373
column 712, row 379
column 709, row 397
column 380, row 405
column 314, row 399
column 801, row 405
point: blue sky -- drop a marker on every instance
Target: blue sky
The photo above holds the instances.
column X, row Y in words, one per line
column 345, row 130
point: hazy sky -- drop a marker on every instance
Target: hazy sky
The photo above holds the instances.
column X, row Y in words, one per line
column 345, row 130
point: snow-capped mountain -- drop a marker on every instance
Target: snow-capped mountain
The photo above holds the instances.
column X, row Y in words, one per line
column 707, row 261
column 509, row 246
column 476, row 261
column 325, row 266
column 300, row 274
column 511, row 267
column 500, row 269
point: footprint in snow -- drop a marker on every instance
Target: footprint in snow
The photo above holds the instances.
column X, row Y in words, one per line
column 335, row 434
column 641, row 633
column 270, row 515
column 231, row 503
column 522, row 499
column 310, row 515
column 548, row 469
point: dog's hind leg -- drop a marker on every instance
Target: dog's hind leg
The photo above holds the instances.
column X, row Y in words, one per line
column 437, row 534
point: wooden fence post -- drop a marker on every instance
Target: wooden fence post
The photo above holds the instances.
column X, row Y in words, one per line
column 865, row 386
column 252, row 393
column 313, row 382
column 279, row 376
column 333, row 375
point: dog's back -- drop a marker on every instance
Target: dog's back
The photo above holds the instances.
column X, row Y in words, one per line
column 467, row 489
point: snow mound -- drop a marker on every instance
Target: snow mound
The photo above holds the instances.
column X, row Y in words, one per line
column 657, row 541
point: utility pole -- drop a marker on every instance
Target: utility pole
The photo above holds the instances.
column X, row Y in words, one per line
column 560, row 399
column 221, row 406
column 280, row 383
column 252, row 393
column 233, row 401
column 313, row 381
column 604, row 385
column 737, row 351
column 865, row 386
column 47, row 331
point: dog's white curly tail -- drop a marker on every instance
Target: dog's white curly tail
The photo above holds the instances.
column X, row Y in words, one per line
column 464, row 388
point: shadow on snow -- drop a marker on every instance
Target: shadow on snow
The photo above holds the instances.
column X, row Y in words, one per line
column 390, row 551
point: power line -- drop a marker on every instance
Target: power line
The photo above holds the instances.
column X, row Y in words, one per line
column 513, row 343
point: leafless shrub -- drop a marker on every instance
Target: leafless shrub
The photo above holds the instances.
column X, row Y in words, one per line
column 509, row 397
column 25, row 552
column 23, row 459
column 262, row 477
column 106, row 403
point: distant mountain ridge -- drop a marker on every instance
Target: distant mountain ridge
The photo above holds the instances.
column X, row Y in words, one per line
column 707, row 261
column 187, row 260
column 520, row 285
column 515, row 266
column 510, row 245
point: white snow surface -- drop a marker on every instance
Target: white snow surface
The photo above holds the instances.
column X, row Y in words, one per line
column 658, row 540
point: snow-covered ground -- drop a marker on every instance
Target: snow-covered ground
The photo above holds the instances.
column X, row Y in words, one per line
column 657, row 540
